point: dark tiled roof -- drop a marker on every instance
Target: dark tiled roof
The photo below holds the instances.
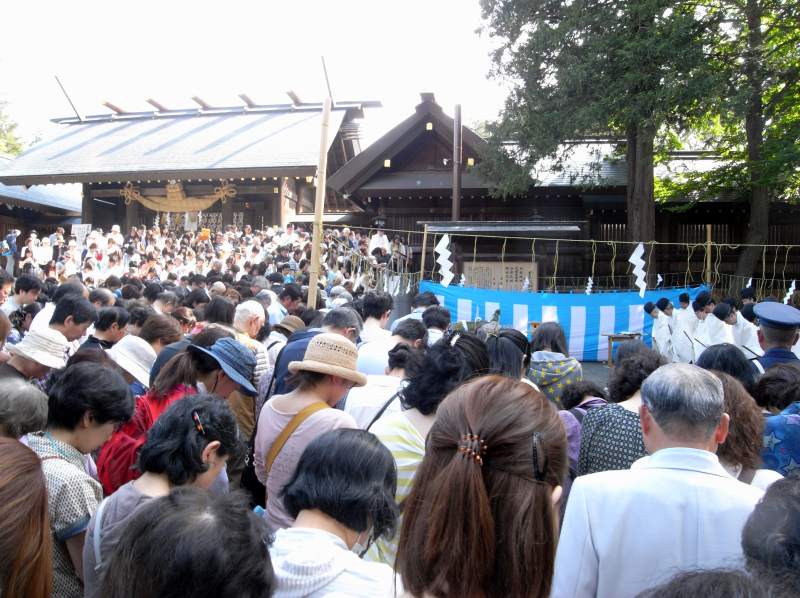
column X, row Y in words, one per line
column 211, row 144
column 59, row 199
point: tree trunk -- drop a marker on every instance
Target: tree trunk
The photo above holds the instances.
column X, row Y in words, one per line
column 758, row 225
column 639, row 200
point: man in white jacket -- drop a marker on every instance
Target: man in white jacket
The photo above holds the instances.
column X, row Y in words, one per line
column 676, row 510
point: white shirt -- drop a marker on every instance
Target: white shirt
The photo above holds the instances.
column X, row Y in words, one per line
column 372, row 331
column 745, row 335
column 373, row 357
column 364, row 402
column 377, row 241
column 276, row 313
column 10, row 306
column 314, row 563
column 627, row 531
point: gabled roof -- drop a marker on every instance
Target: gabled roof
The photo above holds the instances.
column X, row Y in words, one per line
column 56, row 199
column 360, row 169
column 208, row 143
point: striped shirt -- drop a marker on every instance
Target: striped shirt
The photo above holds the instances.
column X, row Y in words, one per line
column 407, row 446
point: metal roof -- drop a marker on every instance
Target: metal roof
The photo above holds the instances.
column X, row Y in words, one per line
column 209, row 144
column 60, row 199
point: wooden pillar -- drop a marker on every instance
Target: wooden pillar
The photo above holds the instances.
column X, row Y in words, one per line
column 227, row 213
column 131, row 216
column 287, row 201
column 87, row 205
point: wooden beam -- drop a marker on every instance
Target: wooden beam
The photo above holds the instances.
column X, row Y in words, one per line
column 294, row 97
column 86, row 205
column 157, row 105
column 201, row 102
column 114, row 107
column 246, row 99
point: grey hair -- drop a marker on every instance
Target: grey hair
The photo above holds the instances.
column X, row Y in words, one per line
column 684, row 399
column 341, row 318
column 248, row 309
column 23, row 408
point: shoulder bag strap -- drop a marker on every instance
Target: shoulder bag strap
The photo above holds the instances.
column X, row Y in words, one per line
column 293, row 424
column 97, row 532
column 747, row 475
column 382, row 410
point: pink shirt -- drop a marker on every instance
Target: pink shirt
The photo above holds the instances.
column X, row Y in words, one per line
column 270, row 424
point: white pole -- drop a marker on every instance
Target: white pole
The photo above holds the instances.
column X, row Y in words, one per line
column 319, row 204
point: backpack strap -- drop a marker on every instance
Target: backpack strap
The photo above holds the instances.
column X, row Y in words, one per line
column 293, row 424
column 382, row 410
column 97, row 533
column 578, row 413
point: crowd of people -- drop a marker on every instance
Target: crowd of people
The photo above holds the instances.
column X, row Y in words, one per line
column 196, row 428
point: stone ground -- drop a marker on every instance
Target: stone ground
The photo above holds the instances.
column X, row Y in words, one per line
column 596, row 372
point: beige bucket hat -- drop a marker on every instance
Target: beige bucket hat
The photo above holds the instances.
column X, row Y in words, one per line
column 45, row 346
column 331, row 354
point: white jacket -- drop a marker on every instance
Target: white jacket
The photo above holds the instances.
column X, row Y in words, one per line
column 315, row 563
column 627, row 531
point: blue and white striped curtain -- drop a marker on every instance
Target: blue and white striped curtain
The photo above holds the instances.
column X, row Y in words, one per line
column 584, row 318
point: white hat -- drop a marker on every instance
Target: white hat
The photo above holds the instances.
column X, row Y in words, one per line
column 45, row 346
column 134, row 355
column 115, row 228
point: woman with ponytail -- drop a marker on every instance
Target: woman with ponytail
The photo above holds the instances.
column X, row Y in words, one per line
column 450, row 361
column 481, row 519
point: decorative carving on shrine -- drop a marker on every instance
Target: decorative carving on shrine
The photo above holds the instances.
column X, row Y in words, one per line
column 176, row 199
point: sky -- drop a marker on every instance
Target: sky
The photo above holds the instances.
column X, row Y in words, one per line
column 125, row 52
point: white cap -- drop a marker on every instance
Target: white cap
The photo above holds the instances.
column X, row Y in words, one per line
column 134, row 355
column 45, row 346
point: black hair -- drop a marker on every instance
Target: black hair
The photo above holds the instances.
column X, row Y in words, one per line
column 509, row 352
column 729, row 359
column 411, row 329
column 87, row 386
column 168, row 297
column 102, row 296
column 192, row 543
column 778, row 387
column 573, row 394
column 112, row 282
column 111, row 315
column 291, row 291
column 436, row 316
column 219, row 310
column 195, row 297
column 425, row 299
column 152, row 291
column 139, row 314
column 310, row 315
column 375, row 304
column 404, row 357
column 130, row 291
column 684, row 298
column 771, row 536
column 76, row 306
column 68, row 288
column 27, row 282
column 628, row 348
column 629, row 374
column 350, row 476
column 450, row 361
column 722, row 311
column 341, row 318
column 709, row 583
column 549, row 336
column 175, row 445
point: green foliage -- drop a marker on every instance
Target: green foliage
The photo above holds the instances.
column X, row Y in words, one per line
column 9, row 142
column 583, row 68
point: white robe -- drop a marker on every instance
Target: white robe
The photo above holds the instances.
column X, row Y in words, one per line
column 682, row 335
column 745, row 335
column 712, row 331
column 662, row 336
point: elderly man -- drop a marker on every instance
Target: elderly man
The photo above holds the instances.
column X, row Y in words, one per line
column 678, row 509
column 248, row 320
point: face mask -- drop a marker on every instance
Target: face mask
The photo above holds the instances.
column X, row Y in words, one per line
column 359, row 548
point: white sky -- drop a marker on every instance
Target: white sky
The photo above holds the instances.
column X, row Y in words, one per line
column 171, row 50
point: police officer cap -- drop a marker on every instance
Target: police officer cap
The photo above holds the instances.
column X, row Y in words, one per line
column 777, row 315
column 662, row 303
column 649, row 307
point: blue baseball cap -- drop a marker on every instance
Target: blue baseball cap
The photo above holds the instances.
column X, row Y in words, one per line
column 236, row 360
column 777, row 315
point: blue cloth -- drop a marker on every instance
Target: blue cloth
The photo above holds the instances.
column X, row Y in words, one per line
column 236, row 360
column 137, row 388
column 774, row 357
column 781, row 451
column 294, row 350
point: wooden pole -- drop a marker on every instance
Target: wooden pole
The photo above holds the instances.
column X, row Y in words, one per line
column 708, row 254
column 319, row 203
column 457, row 164
column 424, row 251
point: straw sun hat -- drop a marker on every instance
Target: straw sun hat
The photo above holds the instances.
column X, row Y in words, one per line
column 331, row 354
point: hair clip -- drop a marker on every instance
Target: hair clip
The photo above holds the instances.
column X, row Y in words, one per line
column 538, row 471
column 198, row 424
column 454, row 339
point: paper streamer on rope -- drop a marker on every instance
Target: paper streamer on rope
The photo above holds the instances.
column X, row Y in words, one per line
column 638, row 269
column 445, row 265
column 526, row 284
column 589, row 285
column 659, row 279
column 790, row 292
column 749, row 283
column 463, row 281
column 584, row 318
